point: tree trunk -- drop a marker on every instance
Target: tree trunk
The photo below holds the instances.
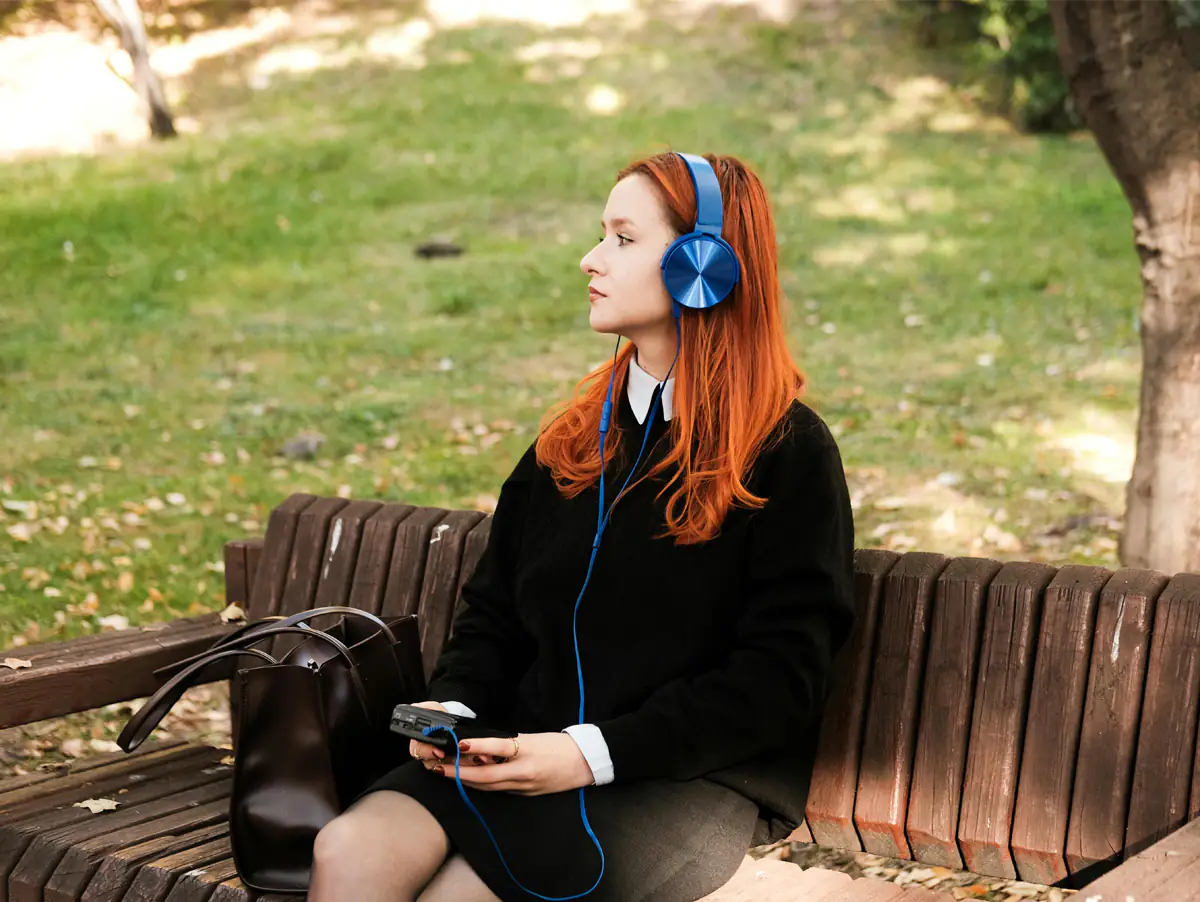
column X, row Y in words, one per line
column 126, row 17
column 1132, row 81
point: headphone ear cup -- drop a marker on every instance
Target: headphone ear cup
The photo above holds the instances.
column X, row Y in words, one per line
column 700, row 270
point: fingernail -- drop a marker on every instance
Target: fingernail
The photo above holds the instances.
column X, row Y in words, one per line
column 465, row 746
column 438, row 770
column 438, row 753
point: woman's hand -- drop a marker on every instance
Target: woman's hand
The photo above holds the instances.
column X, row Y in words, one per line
column 534, row 764
column 431, row 755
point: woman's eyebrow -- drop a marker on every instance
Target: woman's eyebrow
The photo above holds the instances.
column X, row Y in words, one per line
column 619, row 221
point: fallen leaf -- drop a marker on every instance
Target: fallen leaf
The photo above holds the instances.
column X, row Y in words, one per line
column 104, row 745
column 228, row 760
column 114, row 622
column 20, row 532
column 73, row 747
column 95, row 806
column 15, row 663
column 232, row 613
column 125, row 581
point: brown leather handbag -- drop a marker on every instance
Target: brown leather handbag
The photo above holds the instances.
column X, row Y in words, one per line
column 312, row 728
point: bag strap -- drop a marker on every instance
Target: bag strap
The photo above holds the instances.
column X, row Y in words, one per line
column 142, row 723
column 278, row 620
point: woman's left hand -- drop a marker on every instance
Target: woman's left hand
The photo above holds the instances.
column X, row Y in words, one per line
column 545, row 763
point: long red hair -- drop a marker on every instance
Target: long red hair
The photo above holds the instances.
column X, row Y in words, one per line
column 734, row 379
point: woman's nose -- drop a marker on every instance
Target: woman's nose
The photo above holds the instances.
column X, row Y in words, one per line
column 588, row 264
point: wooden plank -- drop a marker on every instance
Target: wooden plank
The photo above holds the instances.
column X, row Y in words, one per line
column 881, row 808
column 1166, row 745
column 375, row 557
column 406, row 571
column 1011, row 621
column 1039, row 834
column 439, row 588
column 304, row 568
column 802, row 833
column 82, row 859
column 956, row 630
column 473, row 549
column 154, row 881
column 867, row 889
column 341, row 553
column 45, row 801
column 254, row 549
column 120, row 867
column 199, row 884
column 236, row 582
column 270, row 576
column 829, row 810
column 921, row 894
column 1168, row 871
column 235, row 891
column 1104, row 768
column 56, row 771
column 27, row 880
column 67, row 677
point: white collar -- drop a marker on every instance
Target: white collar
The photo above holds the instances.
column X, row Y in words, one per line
column 641, row 387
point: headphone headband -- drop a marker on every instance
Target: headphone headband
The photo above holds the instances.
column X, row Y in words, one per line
column 709, row 215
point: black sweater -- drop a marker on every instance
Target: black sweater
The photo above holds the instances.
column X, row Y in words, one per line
column 695, row 657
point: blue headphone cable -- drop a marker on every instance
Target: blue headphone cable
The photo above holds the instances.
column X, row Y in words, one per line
column 601, row 524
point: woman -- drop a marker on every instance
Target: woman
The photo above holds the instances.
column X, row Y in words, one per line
column 709, row 614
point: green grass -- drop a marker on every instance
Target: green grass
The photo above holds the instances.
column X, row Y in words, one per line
column 232, row 288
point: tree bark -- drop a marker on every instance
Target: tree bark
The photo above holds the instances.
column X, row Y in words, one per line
column 126, row 17
column 1131, row 79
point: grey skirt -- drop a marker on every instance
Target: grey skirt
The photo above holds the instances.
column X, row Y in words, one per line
column 663, row 840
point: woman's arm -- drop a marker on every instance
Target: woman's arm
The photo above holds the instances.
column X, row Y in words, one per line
column 796, row 613
column 489, row 651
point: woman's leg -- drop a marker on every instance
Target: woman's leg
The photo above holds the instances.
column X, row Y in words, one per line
column 384, row 848
column 457, row 882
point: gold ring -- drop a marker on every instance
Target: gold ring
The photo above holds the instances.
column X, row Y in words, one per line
column 516, row 749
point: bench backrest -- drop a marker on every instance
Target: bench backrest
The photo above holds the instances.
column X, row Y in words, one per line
column 1015, row 719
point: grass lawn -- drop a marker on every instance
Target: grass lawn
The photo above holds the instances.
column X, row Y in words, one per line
column 964, row 298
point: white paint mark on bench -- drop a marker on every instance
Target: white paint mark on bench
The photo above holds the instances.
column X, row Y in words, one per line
column 196, row 873
column 437, row 533
column 1116, row 646
column 334, row 541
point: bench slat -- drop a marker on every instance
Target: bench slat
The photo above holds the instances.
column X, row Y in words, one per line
column 375, row 557
column 1167, row 736
column 950, row 673
column 235, row 891
column 881, row 808
column 829, row 810
column 410, row 551
column 155, row 879
column 78, row 675
column 473, row 549
column 120, row 867
column 308, row 552
column 1052, row 727
column 82, row 859
column 27, row 881
column 439, row 588
column 341, row 553
column 1104, row 769
column 270, row 576
column 198, row 885
column 1014, row 604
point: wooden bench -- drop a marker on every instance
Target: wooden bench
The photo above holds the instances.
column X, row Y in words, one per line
column 1011, row 719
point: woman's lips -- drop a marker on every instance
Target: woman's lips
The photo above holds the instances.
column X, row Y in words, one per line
column 594, row 295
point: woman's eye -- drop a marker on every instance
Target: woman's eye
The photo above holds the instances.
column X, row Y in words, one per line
column 621, row 240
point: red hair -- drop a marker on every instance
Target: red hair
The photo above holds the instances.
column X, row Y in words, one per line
column 734, row 380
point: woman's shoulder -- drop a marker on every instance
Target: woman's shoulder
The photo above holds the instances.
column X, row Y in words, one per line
column 800, row 443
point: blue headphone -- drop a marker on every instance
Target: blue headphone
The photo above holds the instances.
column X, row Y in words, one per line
column 699, row 270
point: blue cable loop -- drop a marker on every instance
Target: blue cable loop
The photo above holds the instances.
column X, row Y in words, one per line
column 602, row 519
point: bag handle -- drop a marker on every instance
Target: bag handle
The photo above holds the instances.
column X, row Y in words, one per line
column 279, row 620
column 142, row 723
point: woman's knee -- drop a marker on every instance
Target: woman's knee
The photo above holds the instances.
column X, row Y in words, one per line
column 384, row 825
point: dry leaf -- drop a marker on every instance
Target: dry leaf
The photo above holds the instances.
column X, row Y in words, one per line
column 95, row 806
column 228, row 760
column 114, row 622
column 232, row 613
column 73, row 747
column 125, row 581
column 15, row 663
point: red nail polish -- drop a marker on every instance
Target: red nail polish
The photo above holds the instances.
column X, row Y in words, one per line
column 465, row 746
column 438, row 770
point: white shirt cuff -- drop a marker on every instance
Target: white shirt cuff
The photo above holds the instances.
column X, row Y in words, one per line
column 595, row 750
column 458, row 709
